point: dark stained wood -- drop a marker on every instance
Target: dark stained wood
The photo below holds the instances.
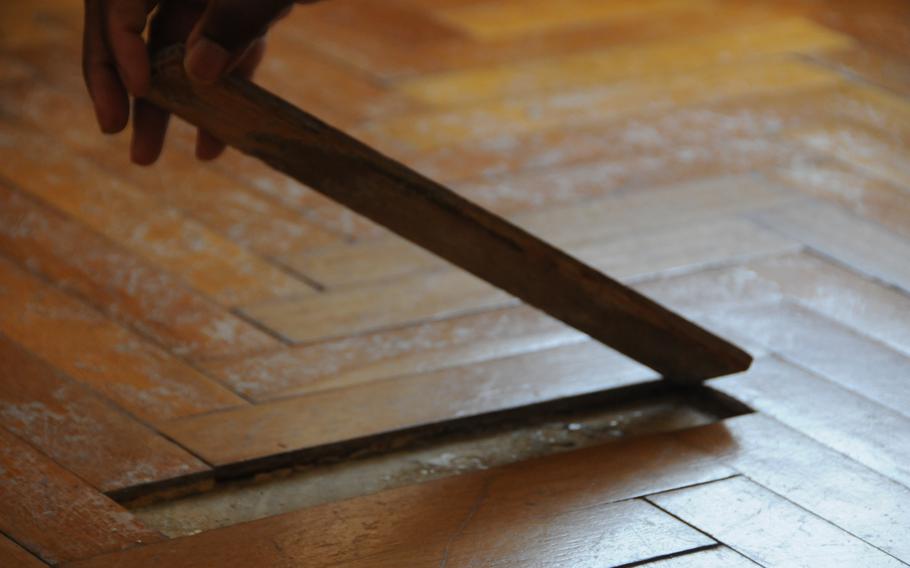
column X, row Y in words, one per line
column 554, row 511
column 56, row 515
column 761, row 525
column 81, row 432
column 440, row 221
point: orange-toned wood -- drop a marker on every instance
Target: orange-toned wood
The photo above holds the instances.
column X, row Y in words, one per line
column 16, row 555
column 152, row 302
column 210, row 263
column 758, row 523
column 139, row 377
column 56, row 515
column 498, row 514
column 80, row 431
column 427, row 213
column 326, row 417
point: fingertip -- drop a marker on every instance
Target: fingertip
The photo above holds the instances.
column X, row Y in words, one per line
column 149, row 128
column 208, row 147
column 206, row 60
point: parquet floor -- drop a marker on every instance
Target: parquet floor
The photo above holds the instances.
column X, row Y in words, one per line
column 743, row 162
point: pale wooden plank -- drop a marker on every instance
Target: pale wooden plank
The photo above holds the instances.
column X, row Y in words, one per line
column 864, row 195
column 209, row 262
column 828, row 349
column 815, row 477
column 105, row 447
column 790, row 35
column 829, row 289
column 122, row 285
column 16, row 555
column 413, row 349
column 138, row 376
column 719, row 557
column 325, row 417
column 857, row 243
column 761, row 525
column 490, row 513
column 421, row 131
column 56, row 515
column 837, row 417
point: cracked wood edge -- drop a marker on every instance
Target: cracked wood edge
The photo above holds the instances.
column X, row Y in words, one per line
column 435, row 218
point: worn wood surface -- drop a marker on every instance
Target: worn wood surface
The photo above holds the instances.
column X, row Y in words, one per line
column 743, row 163
column 444, row 223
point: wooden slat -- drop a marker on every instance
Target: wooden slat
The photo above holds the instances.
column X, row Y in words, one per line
column 413, row 349
column 859, row 244
column 828, row 349
column 871, row 65
column 813, row 476
column 429, row 214
column 53, row 513
column 833, row 415
column 120, row 284
column 759, row 524
column 720, row 557
column 422, row 131
column 210, row 263
column 16, row 555
column 101, row 445
column 491, row 513
column 138, row 376
column 610, row 66
column 370, row 306
column 325, row 417
column 875, row 199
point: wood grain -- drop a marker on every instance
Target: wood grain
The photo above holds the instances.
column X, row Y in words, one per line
column 490, row 514
column 445, row 224
column 80, row 431
column 758, row 523
column 56, row 515
column 16, row 555
column 138, row 376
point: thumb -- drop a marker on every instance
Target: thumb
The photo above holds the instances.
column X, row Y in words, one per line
column 225, row 31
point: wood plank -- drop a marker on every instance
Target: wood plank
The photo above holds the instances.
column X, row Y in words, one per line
column 718, row 557
column 54, row 514
column 370, row 306
column 874, row 66
column 828, row 349
column 79, row 431
column 422, row 131
column 609, row 66
column 243, row 215
column 492, row 20
column 210, row 263
column 126, row 288
column 429, row 214
column 416, row 348
column 813, row 476
column 833, row 415
column 760, row 525
column 861, row 245
column 490, row 513
column 16, row 555
column 864, row 195
column 325, row 417
column 136, row 375
column 829, row 289
column 677, row 207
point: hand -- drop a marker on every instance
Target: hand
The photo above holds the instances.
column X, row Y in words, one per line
column 220, row 36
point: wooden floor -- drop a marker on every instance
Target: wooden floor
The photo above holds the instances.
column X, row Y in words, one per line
column 744, row 162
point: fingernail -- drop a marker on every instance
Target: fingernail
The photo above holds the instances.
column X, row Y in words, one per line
column 206, row 60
